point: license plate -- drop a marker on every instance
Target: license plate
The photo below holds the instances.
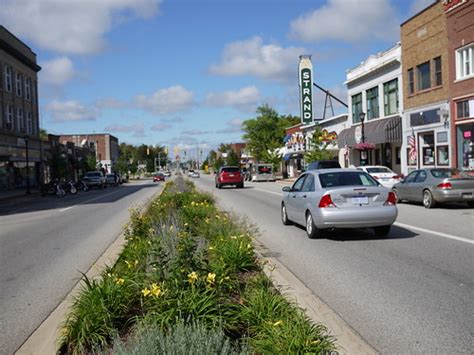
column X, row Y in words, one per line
column 467, row 195
column 231, row 175
column 360, row 200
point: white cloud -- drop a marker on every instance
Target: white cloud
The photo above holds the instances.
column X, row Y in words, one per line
column 349, row 21
column 252, row 57
column 165, row 101
column 138, row 129
column 232, row 126
column 419, row 5
column 160, row 127
column 71, row 111
column 57, row 71
column 71, row 26
column 245, row 99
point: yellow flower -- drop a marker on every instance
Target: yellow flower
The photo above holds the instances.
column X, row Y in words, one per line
column 129, row 264
column 119, row 281
column 186, row 224
column 233, row 237
column 277, row 323
column 146, row 292
column 249, row 246
column 211, row 248
column 171, row 227
column 211, row 278
column 192, row 277
column 156, row 290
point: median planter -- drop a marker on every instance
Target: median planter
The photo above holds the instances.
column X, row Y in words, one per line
column 187, row 279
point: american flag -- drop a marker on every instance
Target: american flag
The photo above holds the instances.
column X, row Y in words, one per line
column 412, row 154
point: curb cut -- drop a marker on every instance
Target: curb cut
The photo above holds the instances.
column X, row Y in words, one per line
column 44, row 339
column 348, row 341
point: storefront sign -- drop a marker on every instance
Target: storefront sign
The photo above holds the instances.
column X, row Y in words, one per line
column 306, row 89
column 358, row 134
column 328, row 137
column 467, row 134
column 452, row 4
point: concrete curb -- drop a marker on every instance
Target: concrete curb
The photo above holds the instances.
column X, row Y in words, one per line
column 348, row 340
column 44, row 339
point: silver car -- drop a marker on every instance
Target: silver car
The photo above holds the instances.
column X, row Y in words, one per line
column 338, row 198
column 436, row 185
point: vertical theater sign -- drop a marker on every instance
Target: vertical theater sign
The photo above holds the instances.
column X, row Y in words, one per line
column 305, row 71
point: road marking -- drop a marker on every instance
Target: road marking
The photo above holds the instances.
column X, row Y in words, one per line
column 87, row 201
column 270, row 192
column 439, row 234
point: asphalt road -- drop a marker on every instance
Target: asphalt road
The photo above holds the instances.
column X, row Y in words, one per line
column 44, row 245
column 409, row 293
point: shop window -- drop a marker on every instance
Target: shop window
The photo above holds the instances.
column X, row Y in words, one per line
column 411, row 82
column 356, row 107
column 423, row 75
column 391, row 97
column 442, row 155
column 410, row 159
column 437, row 71
column 428, row 156
column 398, row 158
column 465, row 139
column 464, row 62
column 372, row 103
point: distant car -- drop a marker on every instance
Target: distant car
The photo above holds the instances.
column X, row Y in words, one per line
column 338, row 198
column 190, row 172
column 194, row 174
column 111, row 179
column 229, row 175
column 382, row 174
column 167, row 173
column 323, row 164
column 158, row 177
column 95, row 179
column 436, row 185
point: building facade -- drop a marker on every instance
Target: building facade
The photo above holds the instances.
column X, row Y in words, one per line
column 19, row 119
column 426, row 89
column 105, row 145
column 460, row 28
column 375, row 92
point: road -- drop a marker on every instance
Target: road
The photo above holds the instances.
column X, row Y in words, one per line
column 46, row 243
column 409, row 293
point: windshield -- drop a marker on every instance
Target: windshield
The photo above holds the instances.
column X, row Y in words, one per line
column 350, row 178
column 230, row 170
column 378, row 170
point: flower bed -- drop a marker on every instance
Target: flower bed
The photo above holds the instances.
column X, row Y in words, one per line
column 187, row 269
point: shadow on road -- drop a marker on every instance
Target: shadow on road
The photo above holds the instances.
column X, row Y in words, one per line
column 444, row 206
column 93, row 196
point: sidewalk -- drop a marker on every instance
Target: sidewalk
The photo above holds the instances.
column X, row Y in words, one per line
column 18, row 195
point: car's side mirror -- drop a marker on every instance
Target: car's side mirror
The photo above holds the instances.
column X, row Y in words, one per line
column 286, row 189
column 402, row 181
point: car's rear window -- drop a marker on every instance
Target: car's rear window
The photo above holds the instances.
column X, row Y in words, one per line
column 231, row 170
column 93, row 174
column 446, row 173
column 264, row 169
column 349, row 178
column 378, row 170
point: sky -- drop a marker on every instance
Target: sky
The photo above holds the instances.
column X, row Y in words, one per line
column 187, row 73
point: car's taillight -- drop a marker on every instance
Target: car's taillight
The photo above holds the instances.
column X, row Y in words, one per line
column 391, row 199
column 396, row 177
column 444, row 185
column 376, row 177
column 326, row 202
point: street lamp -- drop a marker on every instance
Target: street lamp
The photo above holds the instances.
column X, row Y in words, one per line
column 362, row 118
column 25, row 138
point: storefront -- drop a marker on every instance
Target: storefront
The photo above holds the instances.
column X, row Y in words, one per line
column 293, row 154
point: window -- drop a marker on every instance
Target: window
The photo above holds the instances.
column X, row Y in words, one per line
column 29, row 123
column 411, row 82
column 28, row 88
column 297, row 186
column 8, row 78
column 356, row 107
column 398, row 159
column 347, row 179
column 372, row 103
column 464, row 61
column 423, row 76
column 442, row 156
column 390, row 90
column 19, row 120
column 411, row 177
column 462, row 109
column 9, row 116
column 308, row 185
column 437, row 72
column 428, row 156
column 421, row 176
column 19, row 84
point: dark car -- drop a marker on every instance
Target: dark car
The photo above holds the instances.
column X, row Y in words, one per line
column 229, row 175
column 95, row 179
column 158, row 177
column 323, row 164
column 436, row 185
column 112, row 179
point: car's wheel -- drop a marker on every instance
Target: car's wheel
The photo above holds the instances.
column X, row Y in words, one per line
column 240, row 186
column 382, row 231
column 219, row 186
column 311, row 230
column 397, row 196
column 428, row 200
column 284, row 215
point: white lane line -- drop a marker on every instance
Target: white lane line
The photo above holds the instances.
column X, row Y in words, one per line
column 429, row 231
column 87, row 201
column 439, row 234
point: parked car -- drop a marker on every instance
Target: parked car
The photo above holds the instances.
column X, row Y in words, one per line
column 167, row 173
column 95, row 179
column 385, row 176
column 338, row 198
column 190, row 172
column 436, row 185
column 158, row 177
column 111, row 179
column 261, row 172
column 229, row 175
column 323, row 164
column 195, row 174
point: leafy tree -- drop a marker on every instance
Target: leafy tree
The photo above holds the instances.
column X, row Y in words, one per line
column 90, row 163
column 232, row 158
column 318, row 148
column 218, row 163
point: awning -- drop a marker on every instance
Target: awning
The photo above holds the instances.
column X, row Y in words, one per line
column 287, row 138
column 387, row 130
column 289, row 156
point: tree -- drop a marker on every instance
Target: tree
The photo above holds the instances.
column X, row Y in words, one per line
column 90, row 163
column 318, row 147
column 218, row 163
column 232, row 158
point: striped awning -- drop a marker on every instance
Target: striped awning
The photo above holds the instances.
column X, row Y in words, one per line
column 387, row 130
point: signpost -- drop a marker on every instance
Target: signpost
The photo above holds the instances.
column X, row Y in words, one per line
column 305, row 72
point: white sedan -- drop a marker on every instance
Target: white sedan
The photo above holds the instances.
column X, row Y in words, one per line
column 382, row 174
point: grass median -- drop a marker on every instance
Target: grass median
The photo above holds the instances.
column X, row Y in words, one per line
column 188, row 281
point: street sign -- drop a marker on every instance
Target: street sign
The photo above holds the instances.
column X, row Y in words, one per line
column 305, row 72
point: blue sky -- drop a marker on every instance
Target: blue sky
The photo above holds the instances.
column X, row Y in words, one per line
column 188, row 72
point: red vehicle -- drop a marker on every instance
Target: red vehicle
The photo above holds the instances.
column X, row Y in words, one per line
column 229, row 175
column 158, row 177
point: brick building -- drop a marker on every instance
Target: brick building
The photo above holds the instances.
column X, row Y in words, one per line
column 19, row 122
column 460, row 27
column 106, row 147
column 426, row 87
